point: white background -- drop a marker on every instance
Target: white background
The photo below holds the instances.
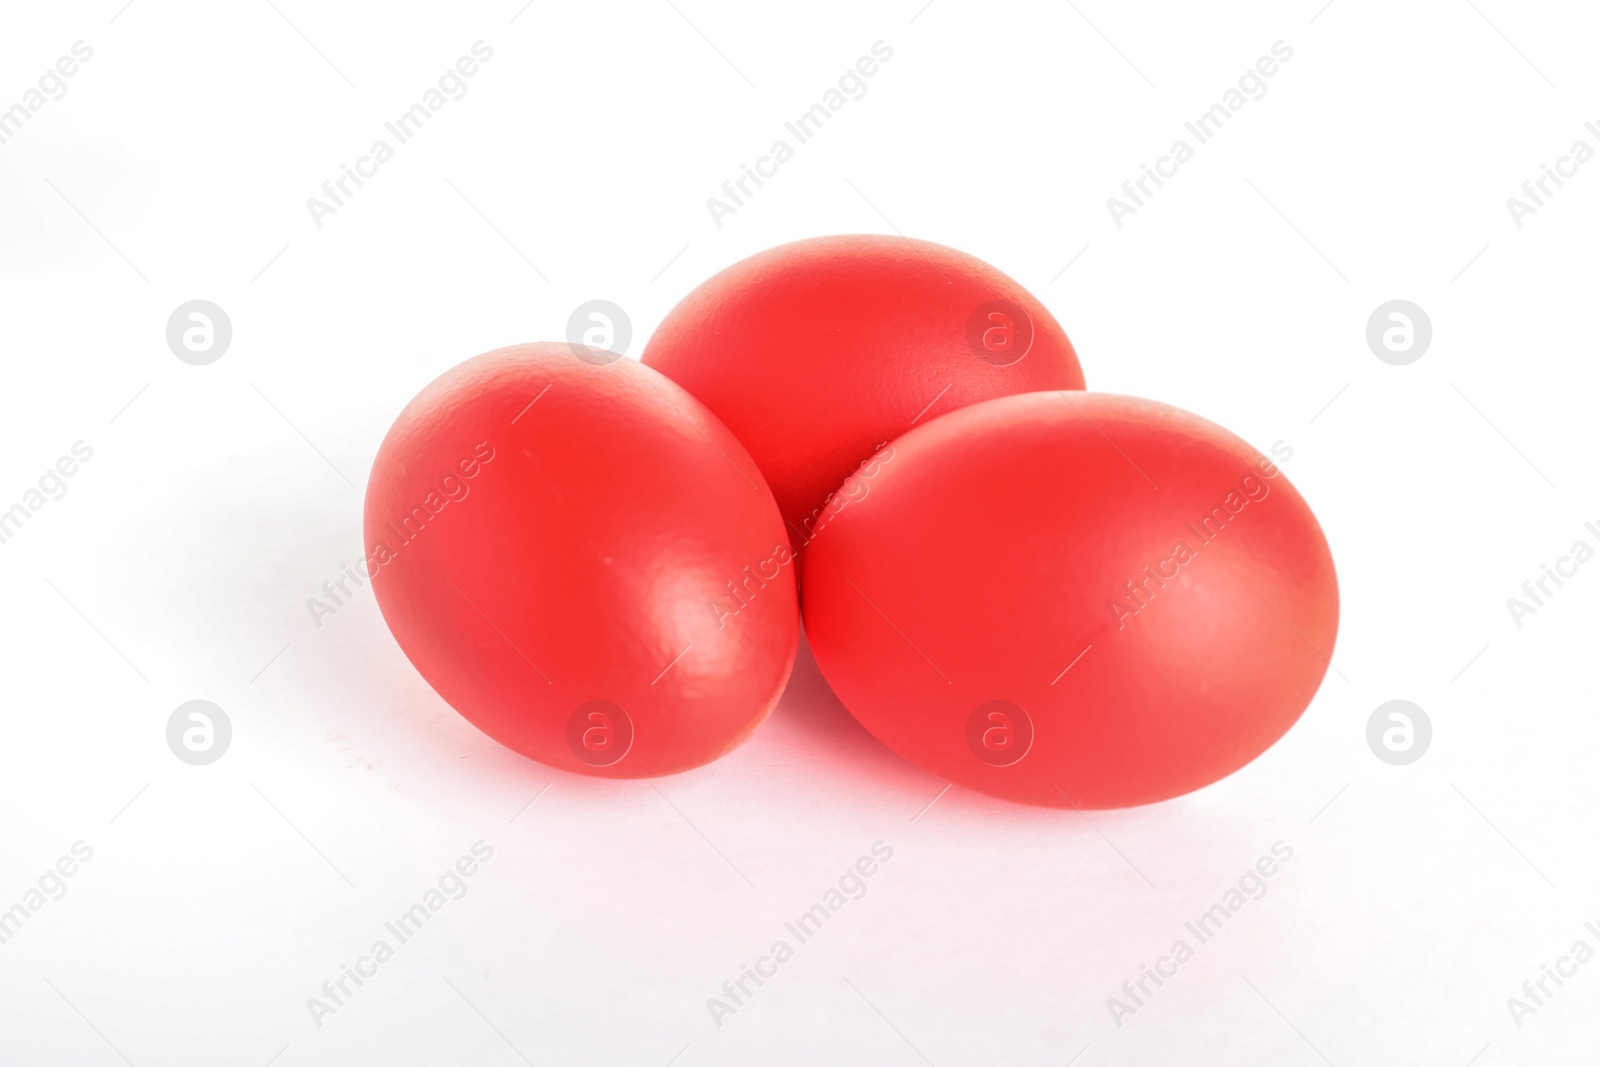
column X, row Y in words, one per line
column 178, row 564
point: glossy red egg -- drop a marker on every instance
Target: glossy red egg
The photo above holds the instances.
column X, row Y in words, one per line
column 1073, row 600
column 583, row 562
column 817, row 352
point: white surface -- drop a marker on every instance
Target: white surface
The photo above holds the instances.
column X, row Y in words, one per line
column 607, row 916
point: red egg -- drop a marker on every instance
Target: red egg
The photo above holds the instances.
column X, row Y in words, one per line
column 583, row 562
column 1073, row 600
column 817, row 352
